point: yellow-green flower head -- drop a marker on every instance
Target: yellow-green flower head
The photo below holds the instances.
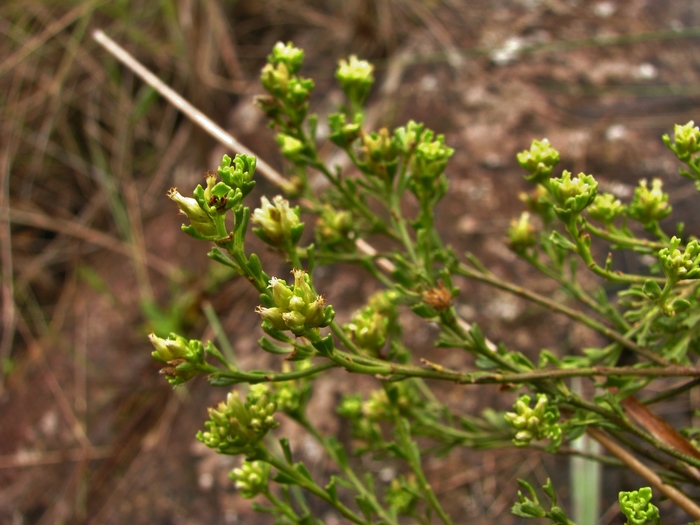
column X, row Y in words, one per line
column 679, row 264
column 686, row 140
column 355, row 78
column 649, row 204
column 170, row 349
column 235, row 427
column 521, row 233
column 539, row 422
column 275, row 78
column 290, row 147
column 574, row 193
column 369, row 329
column 605, row 208
column 200, row 220
column 292, row 57
column 276, row 219
column 333, row 226
column 297, row 308
column 539, row 160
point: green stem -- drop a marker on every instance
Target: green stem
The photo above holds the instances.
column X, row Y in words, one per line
column 575, row 315
column 307, row 484
column 347, row 471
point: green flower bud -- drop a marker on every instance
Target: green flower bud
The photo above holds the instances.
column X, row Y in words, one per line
column 202, row 223
column 637, row 507
column 369, row 330
column 402, row 494
column 334, row 227
column 686, row 140
column 355, row 78
column 275, row 79
column 279, row 224
column 292, row 57
column 379, row 154
column 679, row 265
column 649, row 204
column 407, row 137
column 291, row 148
column 539, row 203
column 343, row 134
column 534, row 423
column 605, row 208
column 574, row 194
column 351, row 406
column 377, row 407
column 521, row 233
column 539, row 160
column 251, row 478
column 431, row 156
column 235, row 427
column 170, row 349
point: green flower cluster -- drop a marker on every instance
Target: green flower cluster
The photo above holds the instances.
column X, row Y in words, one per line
column 522, row 234
column 541, row 422
column 606, row 208
column 686, row 141
column 637, row 507
column 296, row 308
column 251, row 478
column 539, row 160
column 356, row 79
column 289, row 100
column 183, row 357
column 573, row 195
column 208, row 206
column 235, row 427
column 679, row 264
column 649, row 205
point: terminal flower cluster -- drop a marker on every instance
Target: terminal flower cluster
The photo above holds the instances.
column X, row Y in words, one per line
column 540, row 422
column 296, row 308
column 235, row 427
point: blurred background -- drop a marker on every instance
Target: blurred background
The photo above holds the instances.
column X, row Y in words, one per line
column 93, row 259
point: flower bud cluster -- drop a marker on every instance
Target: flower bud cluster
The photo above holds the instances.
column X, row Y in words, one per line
column 431, row 156
column 606, row 208
column 344, row 133
column 573, row 195
column 183, row 357
column 369, row 328
column 334, row 227
column 355, row 78
column 280, row 225
column 289, row 92
column 207, row 207
column 686, row 141
column 235, row 427
column 649, row 204
column 522, row 234
column 540, row 422
column 379, row 154
column 637, row 507
column 679, row 264
column 296, row 308
column 251, row 478
column 539, row 160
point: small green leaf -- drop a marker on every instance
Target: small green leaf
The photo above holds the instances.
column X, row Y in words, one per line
column 652, row 289
column 562, row 242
